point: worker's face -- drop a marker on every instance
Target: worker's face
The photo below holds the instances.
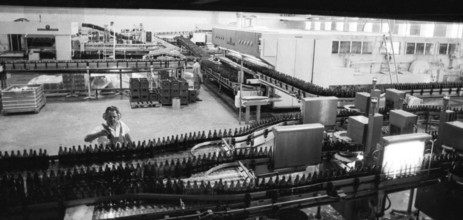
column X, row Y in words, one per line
column 112, row 118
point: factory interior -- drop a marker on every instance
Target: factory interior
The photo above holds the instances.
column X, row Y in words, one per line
column 179, row 113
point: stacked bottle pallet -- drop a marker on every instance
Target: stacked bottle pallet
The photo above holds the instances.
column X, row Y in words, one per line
column 74, row 81
column 183, row 94
column 144, row 90
column 134, row 86
column 140, row 94
column 165, row 93
column 23, row 98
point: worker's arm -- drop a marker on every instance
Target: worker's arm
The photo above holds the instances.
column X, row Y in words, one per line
column 128, row 138
column 92, row 136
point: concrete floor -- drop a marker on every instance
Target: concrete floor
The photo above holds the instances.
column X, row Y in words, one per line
column 65, row 122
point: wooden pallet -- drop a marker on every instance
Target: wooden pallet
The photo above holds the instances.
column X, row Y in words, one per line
column 149, row 104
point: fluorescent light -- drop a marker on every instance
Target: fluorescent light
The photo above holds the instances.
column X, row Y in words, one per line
column 402, row 153
column 401, row 157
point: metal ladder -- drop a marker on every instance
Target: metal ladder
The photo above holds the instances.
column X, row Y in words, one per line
column 384, row 44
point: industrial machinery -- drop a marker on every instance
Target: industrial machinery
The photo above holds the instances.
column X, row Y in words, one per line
column 268, row 168
column 264, row 169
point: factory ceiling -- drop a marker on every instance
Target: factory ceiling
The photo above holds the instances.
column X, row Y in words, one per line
column 423, row 10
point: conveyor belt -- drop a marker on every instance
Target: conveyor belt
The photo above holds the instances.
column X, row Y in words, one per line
column 93, row 65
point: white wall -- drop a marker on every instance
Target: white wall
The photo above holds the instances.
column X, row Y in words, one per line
column 63, row 47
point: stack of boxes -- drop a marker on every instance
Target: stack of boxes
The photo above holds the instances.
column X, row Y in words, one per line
column 165, row 94
column 192, row 95
column 74, row 81
column 174, row 88
column 134, row 84
column 169, row 88
column 183, row 84
column 144, row 90
column 163, row 74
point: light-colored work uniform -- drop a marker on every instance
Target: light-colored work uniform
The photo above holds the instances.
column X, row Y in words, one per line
column 119, row 134
column 197, row 71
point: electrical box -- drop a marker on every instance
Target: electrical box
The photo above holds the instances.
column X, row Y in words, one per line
column 357, row 129
column 402, row 122
column 297, row 145
column 321, row 110
column 362, row 101
column 452, row 135
column 394, row 99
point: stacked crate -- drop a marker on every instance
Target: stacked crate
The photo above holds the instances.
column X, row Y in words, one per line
column 134, row 85
column 144, row 90
column 155, row 95
column 183, row 84
column 53, row 87
column 192, row 96
column 23, row 98
column 165, row 93
column 74, row 81
column 163, row 74
column 174, row 88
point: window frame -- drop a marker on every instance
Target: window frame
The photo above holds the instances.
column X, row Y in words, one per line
column 362, row 43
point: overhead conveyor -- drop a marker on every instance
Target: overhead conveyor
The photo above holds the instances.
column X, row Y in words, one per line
column 79, row 65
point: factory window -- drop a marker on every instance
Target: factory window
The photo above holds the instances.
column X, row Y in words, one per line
column 15, row 42
column 440, row 30
column 443, row 49
column 410, row 48
column 367, row 48
column 356, row 47
column 429, row 48
column 452, row 48
column 415, row 29
column 345, row 47
column 335, row 47
column 419, row 48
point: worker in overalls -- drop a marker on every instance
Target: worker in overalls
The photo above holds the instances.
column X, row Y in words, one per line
column 113, row 132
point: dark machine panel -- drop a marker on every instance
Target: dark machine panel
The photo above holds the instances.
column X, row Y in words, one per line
column 452, row 135
column 297, row 145
column 441, row 201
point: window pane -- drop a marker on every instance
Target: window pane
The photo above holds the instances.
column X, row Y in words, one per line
column 345, row 47
column 443, row 49
column 440, row 30
column 429, row 48
column 367, row 48
column 335, row 47
column 452, row 48
column 419, row 48
column 356, row 47
column 410, row 48
column 415, row 29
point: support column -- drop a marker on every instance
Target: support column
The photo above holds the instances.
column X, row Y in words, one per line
column 89, row 96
